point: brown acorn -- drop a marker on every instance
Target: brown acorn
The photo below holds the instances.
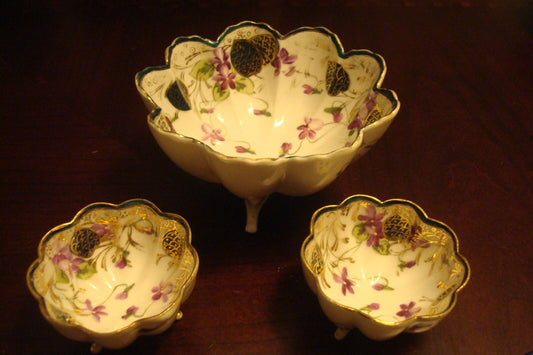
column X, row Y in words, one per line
column 84, row 242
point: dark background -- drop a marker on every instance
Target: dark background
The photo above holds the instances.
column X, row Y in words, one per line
column 74, row 132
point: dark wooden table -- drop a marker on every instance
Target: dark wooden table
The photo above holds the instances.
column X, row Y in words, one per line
column 74, row 132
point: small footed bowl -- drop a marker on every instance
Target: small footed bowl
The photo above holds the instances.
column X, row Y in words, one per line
column 114, row 272
column 262, row 112
column 382, row 267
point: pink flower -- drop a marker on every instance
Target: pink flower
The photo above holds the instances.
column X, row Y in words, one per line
column 123, row 260
column 369, row 103
column 130, row 312
column 162, row 291
column 310, row 127
column 284, row 58
column 103, row 230
column 308, row 89
column 343, row 279
column 373, row 306
column 410, row 264
column 408, row 310
column 337, row 116
column 65, row 260
column 373, row 225
column 240, row 149
column 213, row 135
column 221, row 58
column 378, row 286
column 96, row 312
column 286, row 147
column 225, row 77
column 124, row 294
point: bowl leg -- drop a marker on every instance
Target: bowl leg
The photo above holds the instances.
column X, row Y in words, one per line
column 96, row 348
column 340, row 333
column 253, row 207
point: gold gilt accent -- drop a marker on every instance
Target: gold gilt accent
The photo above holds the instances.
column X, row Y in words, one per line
column 337, row 79
column 373, row 116
column 248, row 56
column 173, row 243
column 316, row 260
column 397, row 228
column 84, row 242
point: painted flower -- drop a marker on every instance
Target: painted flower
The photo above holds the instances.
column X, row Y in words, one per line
column 344, row 281
column 373, row 306
column 162, row 291
column 373, row 225
column 96, row 312
column 221, row 59
column 285, row 148
column 66, row 261
column 124, row 294
column 408, row 310
column 213, row 135
column 225, row 77
column 337, row 116
column 130, row 312
column 103, row 230
column 284, row 58
column 308, row 89
column 241, row 149
column 369, row 103
column 123, row 260
column 308, row 130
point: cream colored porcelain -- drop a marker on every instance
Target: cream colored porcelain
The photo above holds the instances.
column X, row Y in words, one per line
column 114, row 272
column 262, row 113
column 382, row 267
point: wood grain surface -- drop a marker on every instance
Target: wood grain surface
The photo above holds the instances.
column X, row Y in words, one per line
column 74, row 132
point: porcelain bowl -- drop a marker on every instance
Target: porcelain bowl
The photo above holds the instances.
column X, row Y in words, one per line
column 262, row 112
column 382, row 267
column 114, row 272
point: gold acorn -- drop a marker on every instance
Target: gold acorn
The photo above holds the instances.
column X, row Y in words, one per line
column 84, row 242
column 172, row 243
column 337, row 79
column 397, row 228
column 178, row 96
column 248, row 56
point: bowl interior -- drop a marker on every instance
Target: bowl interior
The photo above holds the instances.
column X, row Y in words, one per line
column 112, row 266
column 258, row 94
column 388, row 260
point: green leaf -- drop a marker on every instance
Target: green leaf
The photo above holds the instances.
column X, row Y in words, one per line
column 220, row 94
column 61, row 277
column 244, row 85
column 332, row 109
column 358, row 231
column 203, row 70
column 86, row 271
column 383, row 247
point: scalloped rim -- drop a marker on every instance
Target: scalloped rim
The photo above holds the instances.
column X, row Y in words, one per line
column 422, row 214
column 390, row 94
column 138, row 323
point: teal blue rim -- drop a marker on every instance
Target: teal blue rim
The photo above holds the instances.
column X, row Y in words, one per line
column 340, row 50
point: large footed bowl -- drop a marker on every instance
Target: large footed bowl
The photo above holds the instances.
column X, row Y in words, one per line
column 114, row 272
column 382, row 267
column 262, row 112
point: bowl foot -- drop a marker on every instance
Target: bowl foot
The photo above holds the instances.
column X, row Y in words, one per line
column 340, row 333
column 96, row 348
column 179, row 315
column 253, row 207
